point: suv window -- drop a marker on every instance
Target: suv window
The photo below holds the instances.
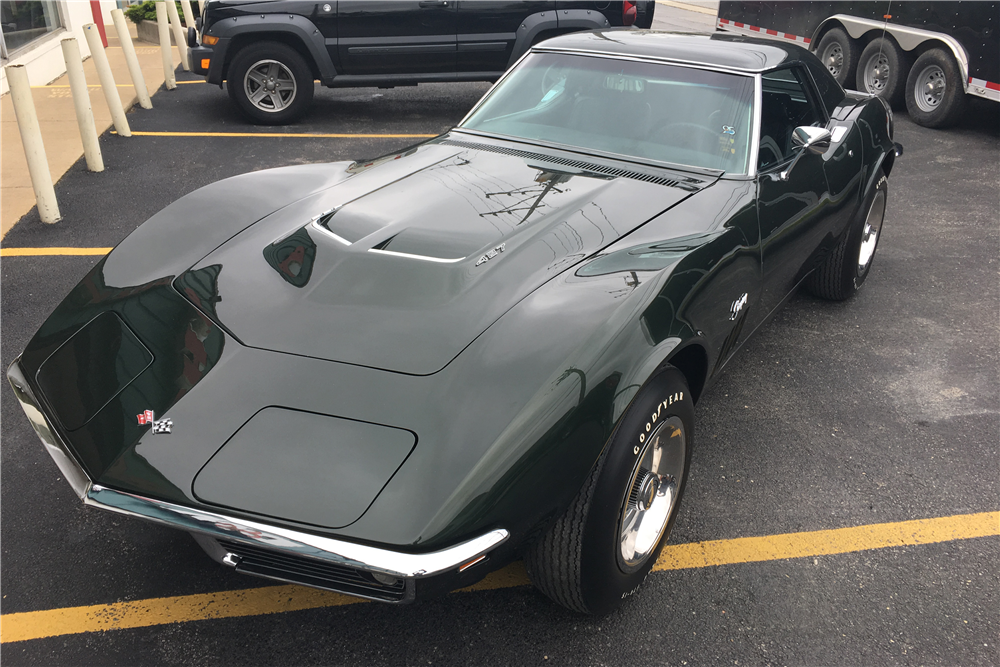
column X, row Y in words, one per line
column 786, row 103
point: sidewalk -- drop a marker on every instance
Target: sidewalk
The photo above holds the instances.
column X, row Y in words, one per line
column 697, row 16
column 60, row 132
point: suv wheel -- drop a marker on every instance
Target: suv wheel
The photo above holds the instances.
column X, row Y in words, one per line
column 270, row 82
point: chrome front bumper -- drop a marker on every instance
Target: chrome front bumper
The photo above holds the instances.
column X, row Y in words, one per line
column 213, row 530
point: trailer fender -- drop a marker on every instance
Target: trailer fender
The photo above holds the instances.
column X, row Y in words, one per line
column 907, row 38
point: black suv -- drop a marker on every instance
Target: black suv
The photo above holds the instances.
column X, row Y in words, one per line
column 271, row 52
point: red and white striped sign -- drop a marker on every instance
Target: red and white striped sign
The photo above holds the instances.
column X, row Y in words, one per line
column 747, row 29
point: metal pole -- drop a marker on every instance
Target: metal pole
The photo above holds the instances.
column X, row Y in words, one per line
column 163, row 30
column 81, row 102
column 134, row 70
column 179, row 37
column 31, row 139
column 100, row 59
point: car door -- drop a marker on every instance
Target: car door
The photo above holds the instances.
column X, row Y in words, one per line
column 487, row 30
column 399, row 37
column 799, row 213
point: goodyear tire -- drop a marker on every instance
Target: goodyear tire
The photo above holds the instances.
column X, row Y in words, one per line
column 847, row 266
column 839, row 54
column 935, row 95
column 270, row 83
column 882, row 70
column 601, row 549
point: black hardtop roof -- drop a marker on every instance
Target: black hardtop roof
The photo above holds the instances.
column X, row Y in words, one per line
column 723, row 50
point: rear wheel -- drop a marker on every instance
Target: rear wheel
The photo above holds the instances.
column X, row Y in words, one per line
column 270, row 82
column 847, row 266
column 935, row 94
column 882, row 70
column 839, row 54
column 600, row 550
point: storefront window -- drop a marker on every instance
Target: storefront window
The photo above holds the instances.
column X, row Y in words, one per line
column 25, row 21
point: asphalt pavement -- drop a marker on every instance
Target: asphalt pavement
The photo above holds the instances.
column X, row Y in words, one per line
column 881, row 409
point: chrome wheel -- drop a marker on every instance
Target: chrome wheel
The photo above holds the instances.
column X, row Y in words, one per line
column 929, row 88
column 869, row 236
column 876, row 73
column 652, row 494
column 269, row 85
column 833, row 58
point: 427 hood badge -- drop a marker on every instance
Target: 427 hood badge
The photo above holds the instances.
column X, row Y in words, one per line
column 164, row 425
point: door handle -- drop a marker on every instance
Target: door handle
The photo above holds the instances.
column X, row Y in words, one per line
column 432, row 3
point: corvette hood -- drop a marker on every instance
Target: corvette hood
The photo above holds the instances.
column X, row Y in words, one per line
column 404, row 264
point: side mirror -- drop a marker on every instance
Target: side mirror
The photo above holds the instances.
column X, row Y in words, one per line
column 815, row 140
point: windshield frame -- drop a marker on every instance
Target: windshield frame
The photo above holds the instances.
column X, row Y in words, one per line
column 751, row 172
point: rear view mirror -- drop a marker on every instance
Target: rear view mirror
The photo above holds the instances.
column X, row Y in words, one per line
column 815, row 140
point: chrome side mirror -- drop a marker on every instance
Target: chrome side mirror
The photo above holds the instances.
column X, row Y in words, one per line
column 815, row 140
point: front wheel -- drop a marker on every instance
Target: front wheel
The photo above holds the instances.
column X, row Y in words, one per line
column 601, row 549
column 270, row 82
column 935, row 95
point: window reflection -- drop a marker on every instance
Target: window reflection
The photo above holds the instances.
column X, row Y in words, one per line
column 25, row 21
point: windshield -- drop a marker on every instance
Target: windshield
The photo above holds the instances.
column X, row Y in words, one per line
column 666, row 113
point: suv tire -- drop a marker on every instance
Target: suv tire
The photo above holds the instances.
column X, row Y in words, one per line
column 270, row 83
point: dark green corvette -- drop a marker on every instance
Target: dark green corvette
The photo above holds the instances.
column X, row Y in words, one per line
column 389, row 378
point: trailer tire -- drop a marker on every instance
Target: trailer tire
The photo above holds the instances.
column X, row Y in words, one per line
column 935, row 96
column 882, row 70
column 839, row 54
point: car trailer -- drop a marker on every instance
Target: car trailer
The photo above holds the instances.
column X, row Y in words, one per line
column 926, row 55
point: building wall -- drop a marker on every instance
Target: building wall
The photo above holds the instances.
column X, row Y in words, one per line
column 43, row 58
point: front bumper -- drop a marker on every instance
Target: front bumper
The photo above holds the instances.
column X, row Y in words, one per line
column 273, row 551
column 214, row 57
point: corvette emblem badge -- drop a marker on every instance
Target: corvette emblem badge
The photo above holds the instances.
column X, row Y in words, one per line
column 158, row 425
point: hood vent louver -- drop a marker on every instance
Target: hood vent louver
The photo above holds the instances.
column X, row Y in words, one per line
column 689, row 184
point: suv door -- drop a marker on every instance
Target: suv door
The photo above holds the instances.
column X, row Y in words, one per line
column 487, row 30
column 399, row 37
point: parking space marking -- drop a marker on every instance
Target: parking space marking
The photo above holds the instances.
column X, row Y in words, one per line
column 40, row 252
column 279, row 599
column 283, row 135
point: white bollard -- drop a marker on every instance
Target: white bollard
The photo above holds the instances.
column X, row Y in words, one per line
column 179, row 37
column 81, row 102
column 201, row 8
column 31, row 139
column 163, row 31
column 100, row 59
column 188, row 17
column 138, row 80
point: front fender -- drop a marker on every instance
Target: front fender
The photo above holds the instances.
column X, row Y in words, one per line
column 177, row 237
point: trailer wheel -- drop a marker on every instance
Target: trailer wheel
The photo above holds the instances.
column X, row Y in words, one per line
column 839, row 54
column 882, row 70
column 935, row 96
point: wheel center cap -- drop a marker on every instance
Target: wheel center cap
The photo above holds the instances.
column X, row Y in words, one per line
column 647, row 492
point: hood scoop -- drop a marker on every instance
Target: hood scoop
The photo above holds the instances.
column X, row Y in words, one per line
column 403, row 272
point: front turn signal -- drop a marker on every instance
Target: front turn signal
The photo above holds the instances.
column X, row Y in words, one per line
column 209, row 40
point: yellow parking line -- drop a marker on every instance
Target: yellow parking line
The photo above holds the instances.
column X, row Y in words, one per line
column 279, row 599
column 37, row 252
column 280, row 134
